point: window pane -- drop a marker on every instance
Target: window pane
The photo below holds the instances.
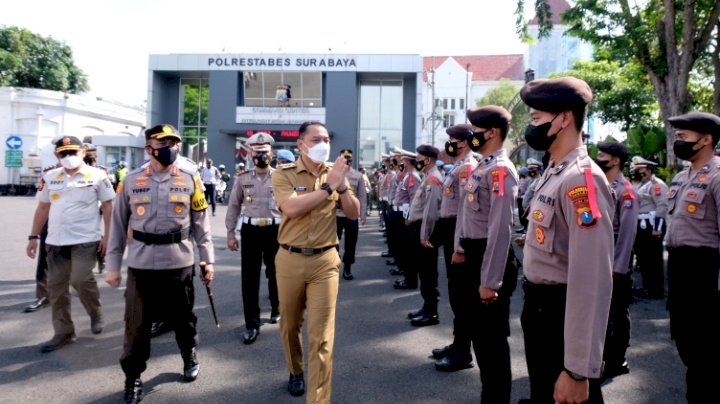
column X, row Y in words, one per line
column 392, row 105
column 204, row 102
column 369, row 106
column 452, row 103
column 191, row 102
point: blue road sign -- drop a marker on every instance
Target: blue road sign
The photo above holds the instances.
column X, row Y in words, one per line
column 13, row 142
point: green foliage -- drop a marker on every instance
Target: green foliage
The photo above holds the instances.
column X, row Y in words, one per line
column 648, row 142
column 32, row 61
column 504, row 94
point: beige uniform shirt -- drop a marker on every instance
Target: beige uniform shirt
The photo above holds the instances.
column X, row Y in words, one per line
column 316, row 228
column 74, row 217
column 570, row 241
column 406, row 190
column 395, row 181
column 357, row 184
column 624, row 223
column 252, row 191
column 425, row 205
column 453, row 184
column 487, row 213
column 159, row 203
column 652, row 201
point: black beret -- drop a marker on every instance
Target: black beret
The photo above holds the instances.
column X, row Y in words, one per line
column 489, row 116
column 700, row 122
column 461, row 131
column 68, row 143
column 163, row 131
column 556, row 95
column 428, row 151
column 615, row 149
column 346, row 153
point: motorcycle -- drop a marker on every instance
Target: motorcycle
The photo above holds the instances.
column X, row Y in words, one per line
column 220, row 189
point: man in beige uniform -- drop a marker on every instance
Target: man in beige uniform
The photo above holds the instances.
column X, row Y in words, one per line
column 423, row 237
column 568, row 254
column 455, row 356
column 258, row 232
column 351, row 227
column 307, row 193
column 693, row 239
column 483, row 230
column 68, row 199
column 157, row 209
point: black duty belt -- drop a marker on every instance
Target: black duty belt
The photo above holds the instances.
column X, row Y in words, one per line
column 167, row 238
column 306, row 251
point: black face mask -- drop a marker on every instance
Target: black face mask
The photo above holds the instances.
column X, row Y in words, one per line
column 636, row 175
column 684, row 149
column 477, row 141
column 603, row 164
column 419, row 165
column 401, row 167
column 261, row 160
column 89, row 160
column 451, row 148
column 165, row 155
column 537, row 136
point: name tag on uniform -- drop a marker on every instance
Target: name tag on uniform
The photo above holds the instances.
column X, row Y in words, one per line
column 301, row 189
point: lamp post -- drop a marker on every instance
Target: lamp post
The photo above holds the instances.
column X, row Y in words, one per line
column 432, row 88
column 467, row 89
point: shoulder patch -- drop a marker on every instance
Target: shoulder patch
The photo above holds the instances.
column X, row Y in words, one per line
column 657, row 190
column 286, row 166
column 579, row 196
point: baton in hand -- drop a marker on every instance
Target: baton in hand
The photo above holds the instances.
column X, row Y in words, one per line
column 210, row 295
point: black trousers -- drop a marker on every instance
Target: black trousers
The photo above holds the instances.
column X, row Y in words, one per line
column 543, row 324
column 41, row 271
column 649, row 253
column 409, row 252
column 210, row 195
column 617, row 337
column 694, row 306
column 424, row 262
column 351, row 229
column 489, row 324
column 396, row 234
column 258, row 244
column 150, row 294
column 458, row 277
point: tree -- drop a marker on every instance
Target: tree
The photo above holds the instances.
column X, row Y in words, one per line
column 665, row 37
column 504, row 94
column 32, row 61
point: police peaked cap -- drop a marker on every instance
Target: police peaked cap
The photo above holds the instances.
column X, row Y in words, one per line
column 68, row 143
column 428, row 151
column 615, row 149
column 163, row 131
column 489, row 116
column 285, row 155
column 556, row 95
column 700, row 122
column 638, row 161
column 460, row 132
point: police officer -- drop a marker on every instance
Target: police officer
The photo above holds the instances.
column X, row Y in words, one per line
column 611, row 158
column 351, row 227
column 483, row 232
column 68, row 199
column 258, row 228
column 90, row 159
column 568, row 252
column 455, row 356
column 395, row 221
column 652, row 201
column 405, row 256
column 307, row 193
column 158, row 207
column 285, row 157
column 693, row 238
column 423, row 236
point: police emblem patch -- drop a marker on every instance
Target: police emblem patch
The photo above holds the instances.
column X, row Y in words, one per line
column 471, row 197
column 538, row 215
column 692, row 208
column 140, row 210
column 540, row 235
column 178, row 208
column 55, row 197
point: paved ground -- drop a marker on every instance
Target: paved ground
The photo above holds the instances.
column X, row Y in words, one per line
column 379, row 357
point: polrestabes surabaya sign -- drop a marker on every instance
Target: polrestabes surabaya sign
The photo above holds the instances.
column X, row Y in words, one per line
column 278, row 115
column 289, row 63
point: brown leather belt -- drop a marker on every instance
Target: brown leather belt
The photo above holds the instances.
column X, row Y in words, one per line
column 306, row 251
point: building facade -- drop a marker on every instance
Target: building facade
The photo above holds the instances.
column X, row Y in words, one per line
column 370, row 103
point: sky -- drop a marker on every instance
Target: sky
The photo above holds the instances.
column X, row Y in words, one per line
column 111, row 40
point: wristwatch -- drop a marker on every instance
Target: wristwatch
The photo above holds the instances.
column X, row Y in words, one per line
column 342, row 190
column 326, row 187
column 33, row 237
column 575, row 376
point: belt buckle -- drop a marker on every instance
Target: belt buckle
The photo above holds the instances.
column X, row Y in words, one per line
column 261, row 222
column 307, row 251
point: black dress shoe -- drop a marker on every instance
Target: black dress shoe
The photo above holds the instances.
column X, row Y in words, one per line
column 453, row 363
column 427, row 319
column 390, row 262
column 191, row 367
column 416, row 313
column 525, row 401
column 133, row 391
column 386, row 254
column 250, row 335
column 37, row 305
column 159, row 328
column 611, row 370
column 396, row 272
column 296, row 385
column 439, row 353
column 347, row 275
column 400, row 284
column 57, row 342
column 274, row 317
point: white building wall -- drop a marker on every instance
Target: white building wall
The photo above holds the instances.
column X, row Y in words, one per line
column 40, row 116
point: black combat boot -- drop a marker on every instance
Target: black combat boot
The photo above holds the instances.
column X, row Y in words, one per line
column 191, row 367
column 133, row 390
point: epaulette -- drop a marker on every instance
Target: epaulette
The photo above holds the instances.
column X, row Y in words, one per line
column 245, row 172
column 286, row 166
column 139, row 169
